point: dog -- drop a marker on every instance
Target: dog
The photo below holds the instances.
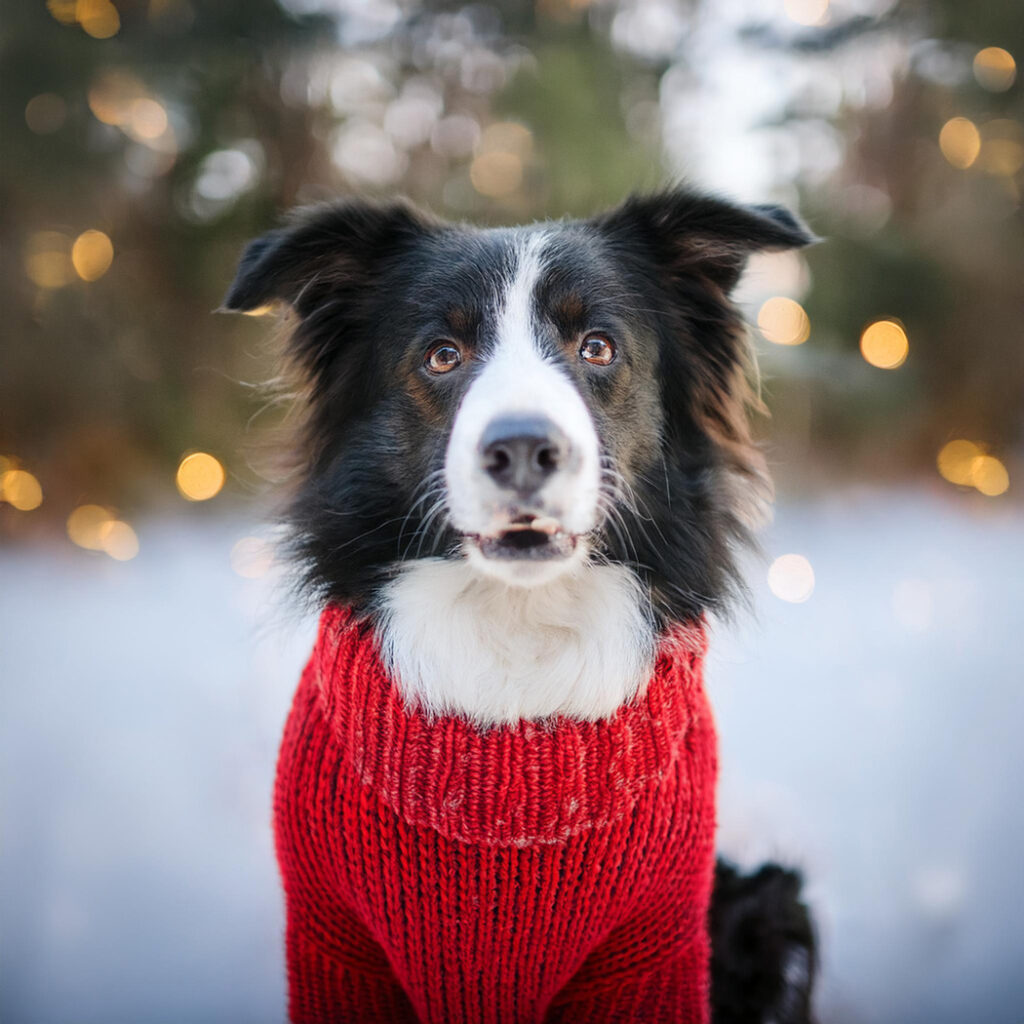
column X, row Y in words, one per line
column 523, row 473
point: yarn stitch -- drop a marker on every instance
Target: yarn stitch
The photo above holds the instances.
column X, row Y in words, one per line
column 546, row 872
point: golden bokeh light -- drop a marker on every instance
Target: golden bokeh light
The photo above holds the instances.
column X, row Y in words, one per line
column 48, row 259
column 507, row 137
column 498, row 169
column 995, row 69
column 496, row 175
column 252, row 557
column 86, row 525
column 960, row 142
column 200, row 477
column 989, row 476
column 65, row 11
column 21, row 489
column 791, row 578
column 967, row 464
column 112, row 96
column 1002, row 147
column 956, row 460
column 119, row 540
column 98, row 18
column 92, row 254
column 884, row 344
column 807, row 12
column 45, row 113
column 784, row 321
column 147, row 118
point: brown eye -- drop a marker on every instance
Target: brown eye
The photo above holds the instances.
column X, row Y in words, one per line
column 443, row 357
column 597, row 349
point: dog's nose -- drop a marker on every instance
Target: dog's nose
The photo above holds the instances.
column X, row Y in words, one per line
column 520, row 452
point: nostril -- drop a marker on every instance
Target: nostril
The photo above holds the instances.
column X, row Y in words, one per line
column 497, row 459
column 547, row 458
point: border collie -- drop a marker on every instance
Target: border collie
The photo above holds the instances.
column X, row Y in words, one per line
column 524, row 464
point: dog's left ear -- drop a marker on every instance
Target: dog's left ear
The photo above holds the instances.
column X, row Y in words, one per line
column 691, row 233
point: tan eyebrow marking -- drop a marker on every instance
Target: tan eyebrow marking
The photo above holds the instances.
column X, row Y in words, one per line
column 461, row 321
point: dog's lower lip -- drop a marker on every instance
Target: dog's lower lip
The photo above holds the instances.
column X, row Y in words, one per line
column 533, row 541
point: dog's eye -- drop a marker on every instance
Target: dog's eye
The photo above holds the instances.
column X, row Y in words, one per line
column 444, row 356
column 597, row 349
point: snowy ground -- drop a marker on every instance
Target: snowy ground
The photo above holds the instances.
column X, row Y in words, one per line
column 871, row 734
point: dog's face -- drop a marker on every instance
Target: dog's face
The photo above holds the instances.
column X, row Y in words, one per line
column 524, row 399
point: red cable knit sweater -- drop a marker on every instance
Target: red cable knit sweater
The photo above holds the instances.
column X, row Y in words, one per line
column 438, row 873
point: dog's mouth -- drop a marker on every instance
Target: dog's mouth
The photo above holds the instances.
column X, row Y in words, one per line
column 527, row 538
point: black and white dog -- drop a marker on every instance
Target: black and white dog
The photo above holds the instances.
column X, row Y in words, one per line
column 525, row 453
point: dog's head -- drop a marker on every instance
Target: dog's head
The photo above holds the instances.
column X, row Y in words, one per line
column 526, row 399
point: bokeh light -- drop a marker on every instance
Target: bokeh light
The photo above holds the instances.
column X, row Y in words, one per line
column 956, row 459
column 119, row 540
column 995, row 69
column 967, row 464
column 112, row 95
column 884, row 344
column 960, row 142
column 200, row 476
column 86, row 524
column 48, row 259
column 1002, row 147
column 92, row 254
column 147, row 118
column 791, row 578
column 98, row 18
column 496, row 174
column 783, row 321
column 45, row 113
column 498, row 169
column 990, row 476
column 807, row 12
column 65, row 11
column 20, row 488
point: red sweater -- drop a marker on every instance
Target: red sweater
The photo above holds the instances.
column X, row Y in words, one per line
column 438, row 873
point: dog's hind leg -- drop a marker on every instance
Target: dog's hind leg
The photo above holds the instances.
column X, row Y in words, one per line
column 764, row 954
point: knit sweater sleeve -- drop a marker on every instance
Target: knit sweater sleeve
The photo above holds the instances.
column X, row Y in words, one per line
column 656, row 966
column 336, row 971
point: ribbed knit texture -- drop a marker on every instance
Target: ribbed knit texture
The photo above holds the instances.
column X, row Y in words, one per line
column 438, row 873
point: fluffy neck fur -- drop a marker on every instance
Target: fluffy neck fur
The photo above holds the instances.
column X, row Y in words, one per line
column 459, row 643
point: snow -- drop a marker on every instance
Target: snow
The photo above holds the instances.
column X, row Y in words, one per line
column 869, row 735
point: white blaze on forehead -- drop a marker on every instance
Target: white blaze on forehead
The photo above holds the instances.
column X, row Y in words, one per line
column 517, row 378
column 516, row 334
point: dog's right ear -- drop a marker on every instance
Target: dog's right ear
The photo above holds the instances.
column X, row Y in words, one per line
column 326, row 253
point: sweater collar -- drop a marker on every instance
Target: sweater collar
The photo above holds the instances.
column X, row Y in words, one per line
column 520, row 785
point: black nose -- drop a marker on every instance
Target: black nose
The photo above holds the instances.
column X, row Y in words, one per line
column 520, row 452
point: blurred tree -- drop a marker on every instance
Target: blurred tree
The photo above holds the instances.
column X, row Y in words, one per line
column 108, row 373
column 930, row 234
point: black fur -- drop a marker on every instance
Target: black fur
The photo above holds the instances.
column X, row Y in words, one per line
column 764, row 953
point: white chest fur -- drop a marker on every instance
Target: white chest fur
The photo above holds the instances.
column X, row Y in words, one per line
column 460, row 643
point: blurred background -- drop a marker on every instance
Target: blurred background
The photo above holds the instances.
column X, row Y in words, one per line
column 870, row 709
